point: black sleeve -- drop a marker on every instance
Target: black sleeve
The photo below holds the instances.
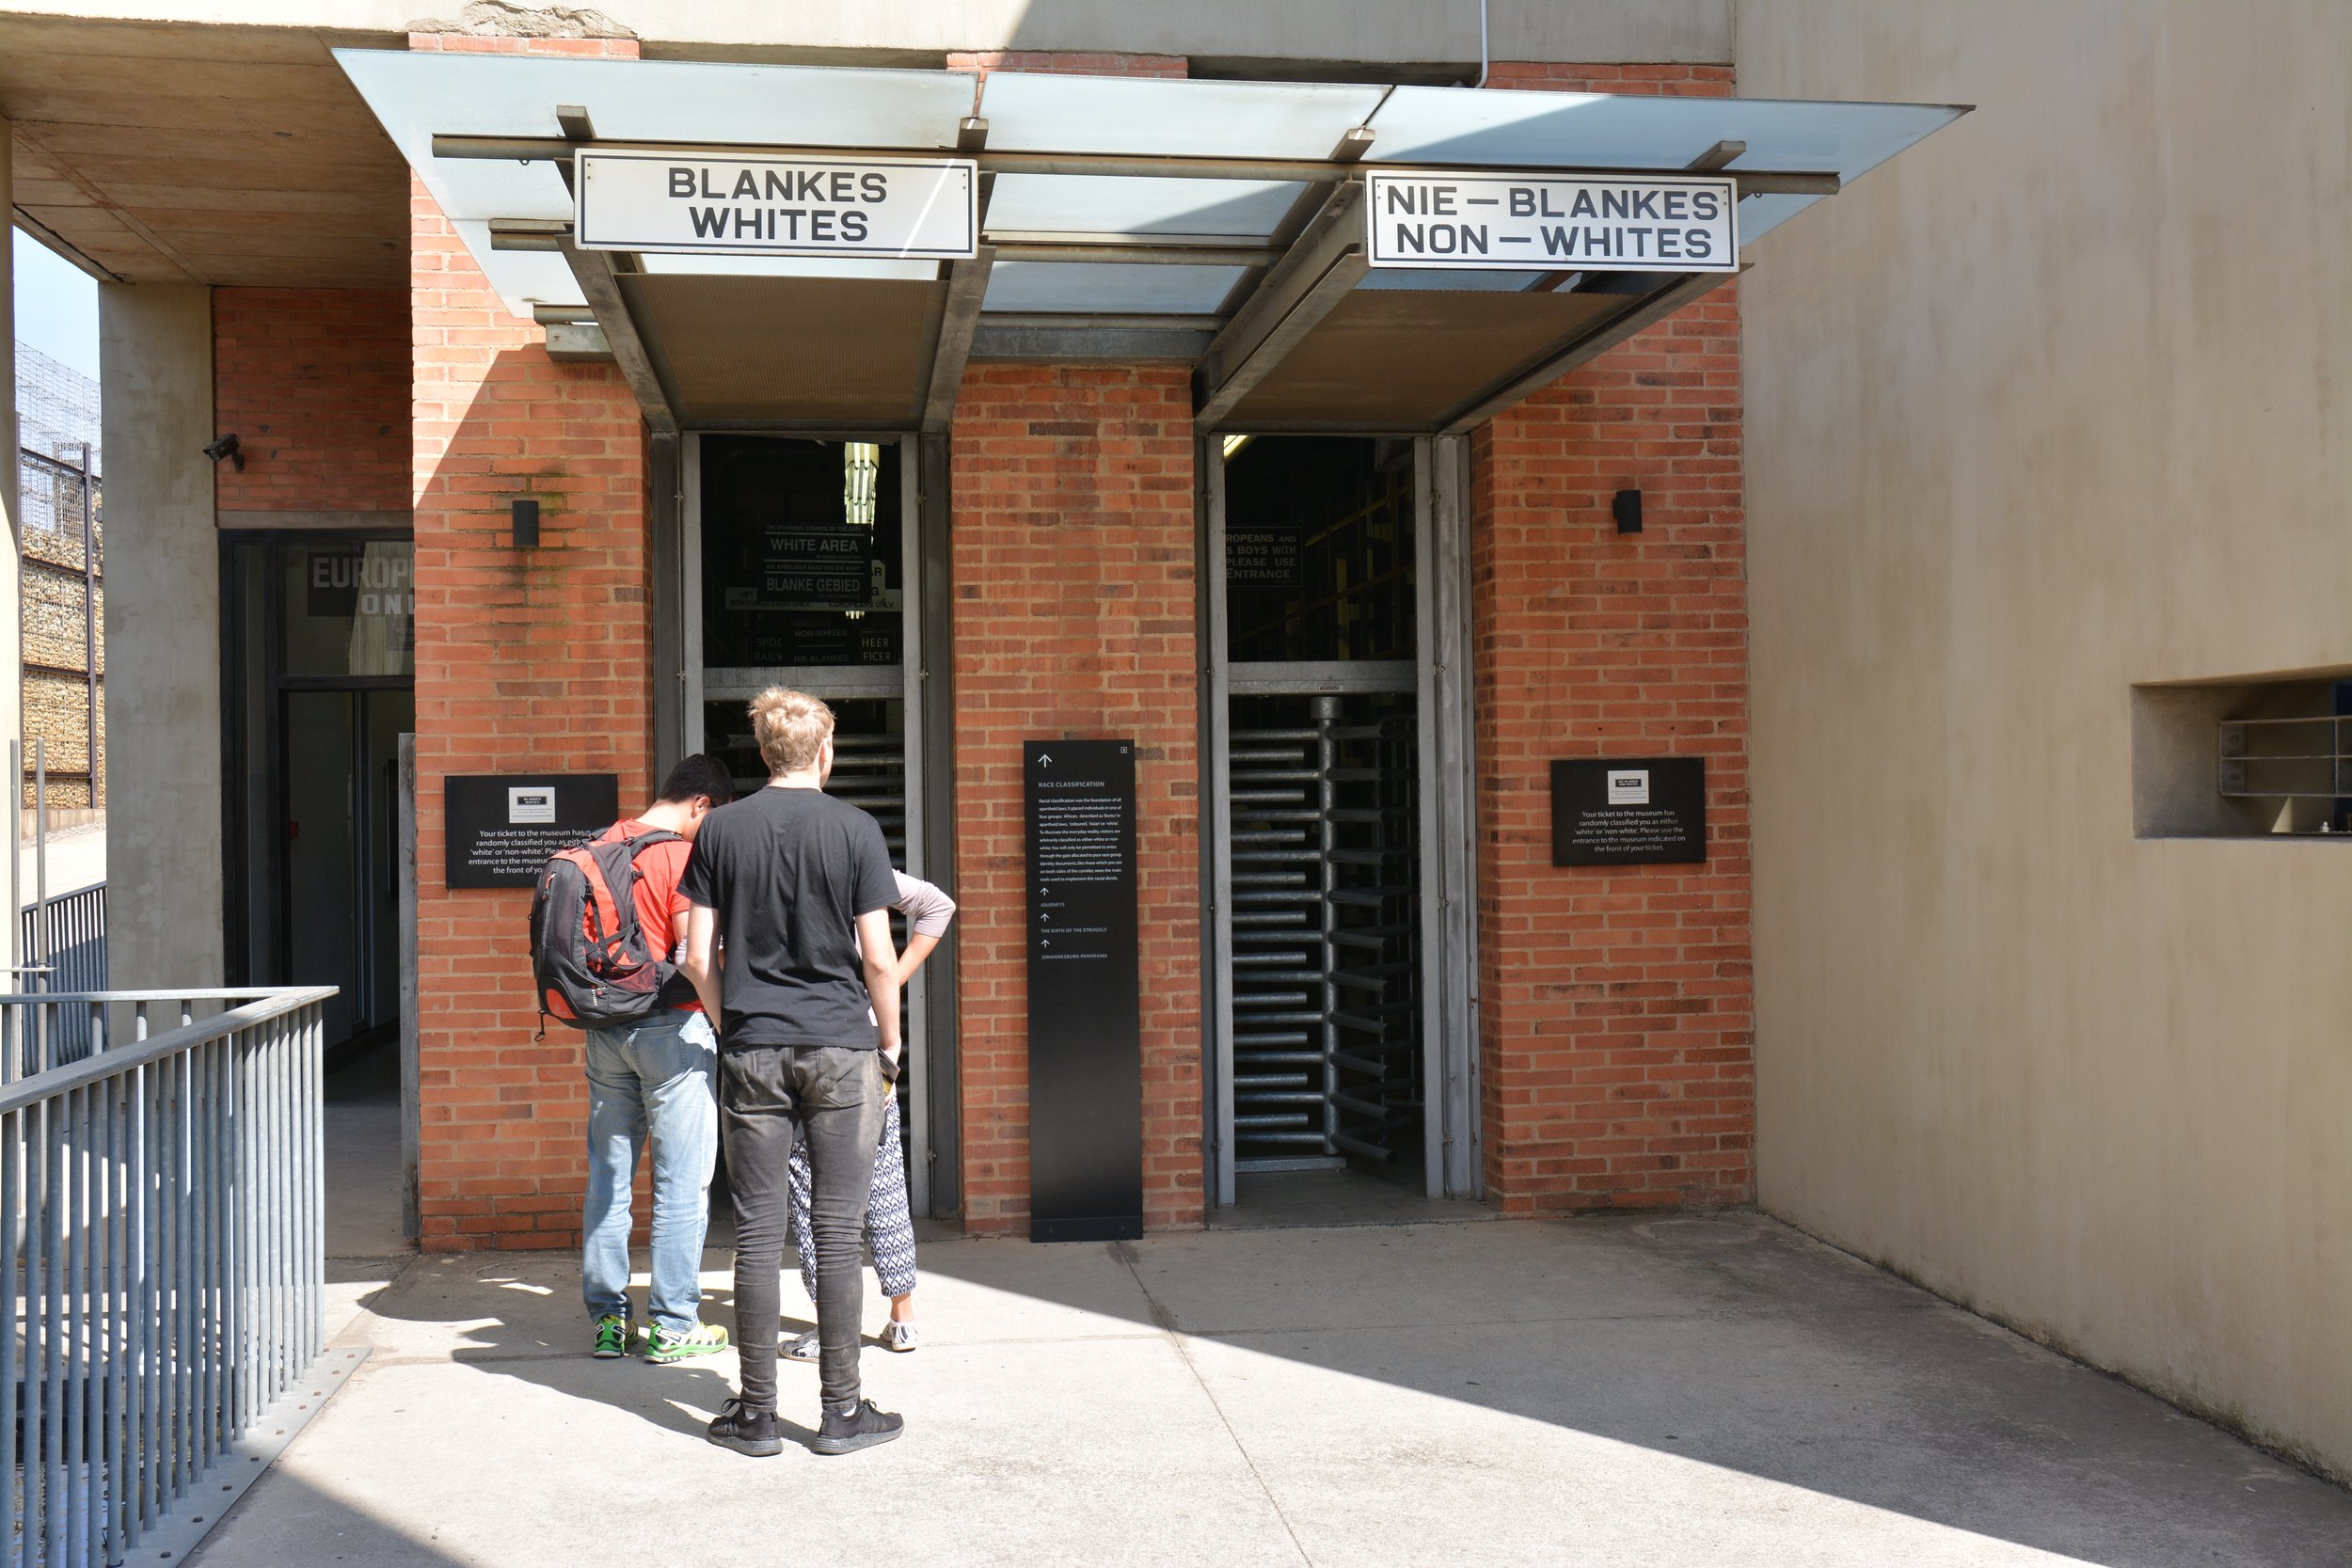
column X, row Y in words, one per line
column 699, row 885
column 877, row 889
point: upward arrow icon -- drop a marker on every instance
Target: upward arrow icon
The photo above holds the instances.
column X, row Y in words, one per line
column 1044, row 757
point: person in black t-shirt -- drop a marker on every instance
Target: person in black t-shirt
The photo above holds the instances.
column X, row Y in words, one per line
column 796, row 887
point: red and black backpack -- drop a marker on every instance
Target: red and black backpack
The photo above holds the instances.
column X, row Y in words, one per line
column 591, row 964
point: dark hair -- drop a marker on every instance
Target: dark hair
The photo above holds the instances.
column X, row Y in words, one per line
column 700, row 774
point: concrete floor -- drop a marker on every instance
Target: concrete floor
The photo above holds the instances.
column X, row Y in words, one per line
column 1677, row 1391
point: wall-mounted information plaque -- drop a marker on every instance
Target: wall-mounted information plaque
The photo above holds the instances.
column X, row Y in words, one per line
column 1628, row 810
column 500, row 828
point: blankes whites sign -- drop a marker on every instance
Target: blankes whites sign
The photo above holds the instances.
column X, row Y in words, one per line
column 1597, row 224
column 750, row 206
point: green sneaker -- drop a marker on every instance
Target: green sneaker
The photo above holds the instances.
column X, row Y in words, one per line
column 662, row 1344
column 615, row 1336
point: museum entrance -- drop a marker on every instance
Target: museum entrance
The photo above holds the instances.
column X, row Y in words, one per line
column 803, row 562
column 1331, row 1061
column 318, row 688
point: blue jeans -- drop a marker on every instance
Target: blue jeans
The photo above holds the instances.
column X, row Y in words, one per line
column 660, row 1079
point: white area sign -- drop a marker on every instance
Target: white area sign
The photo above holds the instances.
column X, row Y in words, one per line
column 1629, row 786
column 754, row 206
column 1596, row 224
column 535, row 804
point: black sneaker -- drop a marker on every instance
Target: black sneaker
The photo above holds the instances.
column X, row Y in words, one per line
column 747, row 1430
column 862, row 1428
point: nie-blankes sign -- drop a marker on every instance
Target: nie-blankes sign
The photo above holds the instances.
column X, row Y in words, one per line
column 754, row 206
column 1598, row 224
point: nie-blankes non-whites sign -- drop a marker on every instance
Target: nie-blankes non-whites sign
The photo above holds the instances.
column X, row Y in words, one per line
column 1597, row 224
column 755, row 206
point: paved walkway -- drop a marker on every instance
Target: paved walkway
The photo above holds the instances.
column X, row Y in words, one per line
column 1685, row 1391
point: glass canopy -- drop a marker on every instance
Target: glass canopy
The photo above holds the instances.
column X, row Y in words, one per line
column 421, row 95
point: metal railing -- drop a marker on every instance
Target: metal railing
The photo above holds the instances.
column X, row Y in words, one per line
column 165, row 1238
column 69, row 934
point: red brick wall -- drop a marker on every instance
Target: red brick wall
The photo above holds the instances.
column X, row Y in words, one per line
column 1074, row 618
column 315, row 384
column 527, row 660
column 1618, row 1015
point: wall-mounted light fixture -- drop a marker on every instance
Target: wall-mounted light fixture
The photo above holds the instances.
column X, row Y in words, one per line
column 225, row 445
column 526, row 514
column 1627, row 508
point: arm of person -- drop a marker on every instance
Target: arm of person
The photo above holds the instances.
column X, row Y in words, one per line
column 701, row 963
column 879, row 956
column 927, row 910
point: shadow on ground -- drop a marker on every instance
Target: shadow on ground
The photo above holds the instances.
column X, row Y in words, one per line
column 1684, row 1390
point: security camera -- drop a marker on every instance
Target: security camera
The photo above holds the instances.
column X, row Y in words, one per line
column 225, row 445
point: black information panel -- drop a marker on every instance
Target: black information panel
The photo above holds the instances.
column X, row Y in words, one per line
column 1085, row 1019
column 1630, row 811
column 501, row 828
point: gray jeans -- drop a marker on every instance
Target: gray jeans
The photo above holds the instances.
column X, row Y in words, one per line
column 770, row 1096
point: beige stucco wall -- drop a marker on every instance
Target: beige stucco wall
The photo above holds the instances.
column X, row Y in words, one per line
column 2057, row 404
column 1394, row 31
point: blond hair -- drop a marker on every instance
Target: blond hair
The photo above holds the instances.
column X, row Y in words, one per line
column 791, row 728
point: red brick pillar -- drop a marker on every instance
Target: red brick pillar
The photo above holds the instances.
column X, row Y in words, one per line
column 1616, row 1012
column 1074, row 618
column 526, row 661
column 1616, row 1009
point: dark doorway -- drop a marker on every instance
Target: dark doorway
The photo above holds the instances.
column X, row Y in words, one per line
column 1322, row 917
column 319, row 641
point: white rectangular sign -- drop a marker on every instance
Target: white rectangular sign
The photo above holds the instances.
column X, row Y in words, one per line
column 1591, row 224
column 749, row 205
column 535, row 804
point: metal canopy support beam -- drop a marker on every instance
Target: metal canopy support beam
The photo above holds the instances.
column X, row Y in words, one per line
column 1312, row 170
column 593, row 270
column 967, row 286
column 1656, row 307
column 1323, row 266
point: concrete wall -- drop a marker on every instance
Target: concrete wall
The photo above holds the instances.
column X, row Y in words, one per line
column 2053, row 405
column 1362, row 30
column 162, row 634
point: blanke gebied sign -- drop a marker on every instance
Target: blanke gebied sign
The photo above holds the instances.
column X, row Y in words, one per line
column 754, row 206
column 1596, row 224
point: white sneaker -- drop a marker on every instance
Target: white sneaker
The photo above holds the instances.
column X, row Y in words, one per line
column 805, row 1348
column 899, row 1337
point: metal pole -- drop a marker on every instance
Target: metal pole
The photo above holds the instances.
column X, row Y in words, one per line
column 89, row 619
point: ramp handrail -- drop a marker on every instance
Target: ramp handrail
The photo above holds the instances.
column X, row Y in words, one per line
column 162, row 1224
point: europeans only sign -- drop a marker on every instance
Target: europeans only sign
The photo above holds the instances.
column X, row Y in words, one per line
column 750, row 206
column 1599, row 223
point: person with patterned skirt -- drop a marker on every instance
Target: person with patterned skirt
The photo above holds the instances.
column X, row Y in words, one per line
column 889, row 1222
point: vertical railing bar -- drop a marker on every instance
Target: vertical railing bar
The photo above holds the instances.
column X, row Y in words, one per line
column 314, row 1099
column 68, row 1342
column 139, row 1296
column 12, row 1206
column 179, row 1224
column 138, row 1021
column 79, row 1350
column 58, row 1500
column 36, row 1459
column 121, row 1134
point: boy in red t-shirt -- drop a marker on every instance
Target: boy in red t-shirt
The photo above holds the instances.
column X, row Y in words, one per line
column 655, row 1083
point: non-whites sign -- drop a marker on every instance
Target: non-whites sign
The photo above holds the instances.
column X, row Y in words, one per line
column 1599, row 223
column 756, row 206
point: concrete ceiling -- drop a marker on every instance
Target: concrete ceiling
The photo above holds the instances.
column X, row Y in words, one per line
column 159, row 152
